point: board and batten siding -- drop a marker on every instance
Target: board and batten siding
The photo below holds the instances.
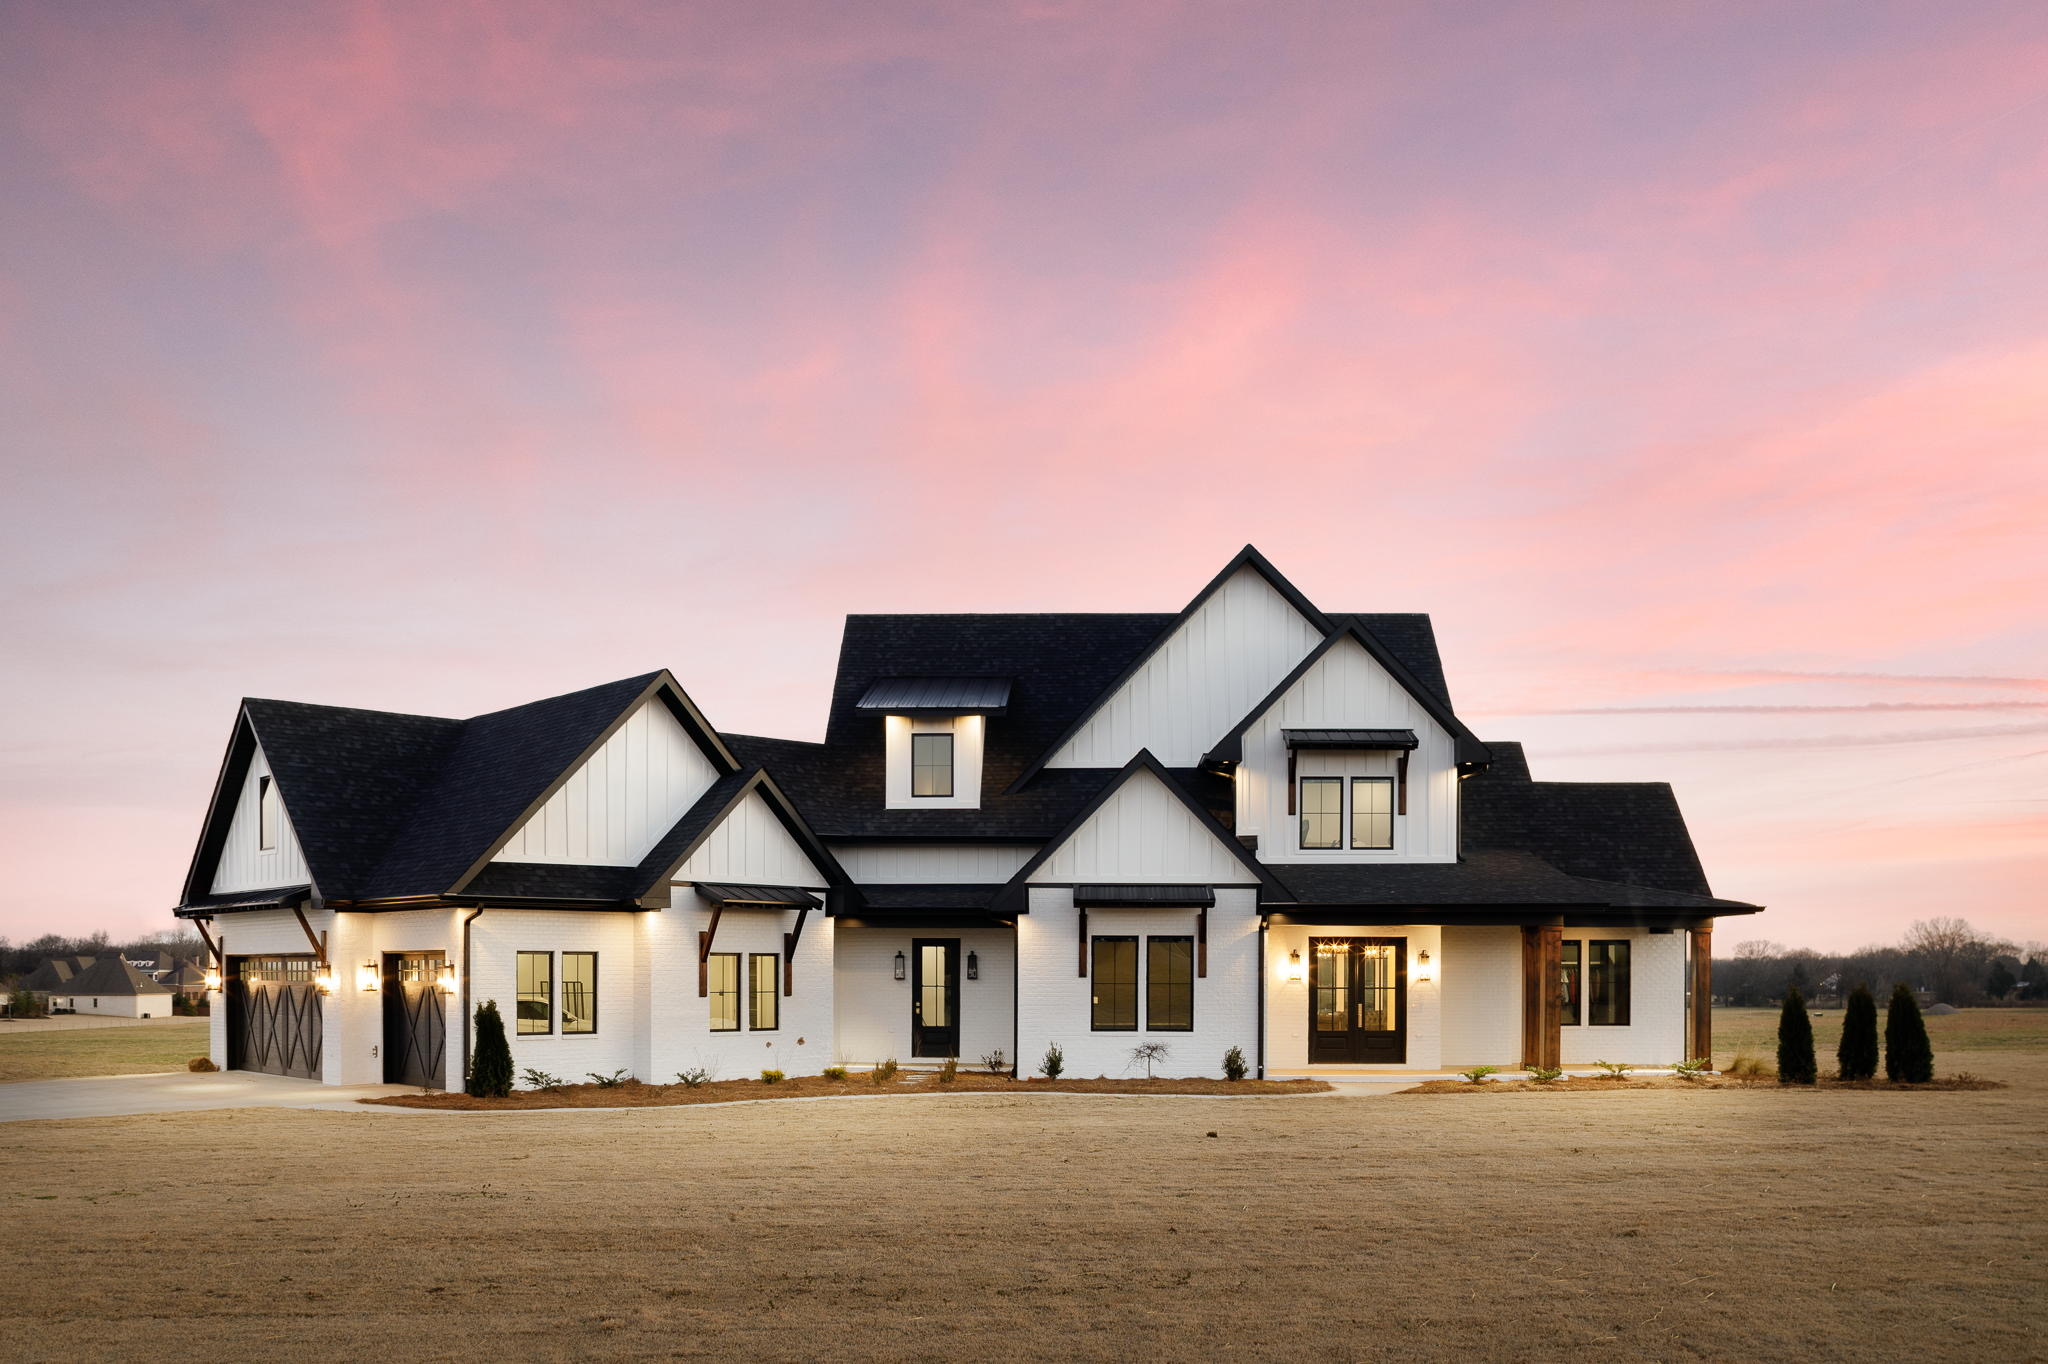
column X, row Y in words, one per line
column 1223, row 660
column 616, row 806
column 1142, row 833
column 933, row 863
column 1348, row 689
column 245, row 866
column 751, row 847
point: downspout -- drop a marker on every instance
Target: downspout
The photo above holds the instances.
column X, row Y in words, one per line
column 465, row 992
column 1262, row 998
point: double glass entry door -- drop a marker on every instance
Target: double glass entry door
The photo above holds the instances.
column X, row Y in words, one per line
column 1358, row 1001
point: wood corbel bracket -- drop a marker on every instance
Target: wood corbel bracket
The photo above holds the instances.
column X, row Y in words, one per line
column 789, row 941
column 319, row 940
column 704, row 941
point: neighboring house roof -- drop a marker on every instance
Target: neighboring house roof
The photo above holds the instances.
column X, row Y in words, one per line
column 113, row 977
column 55, row 973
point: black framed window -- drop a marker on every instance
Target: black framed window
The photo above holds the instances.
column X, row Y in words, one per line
column 1170, row 984
column 762, row 970
column 1113, row 976
column 722, row 981
column 579, row 992
column 1322, row 812
column 536, row 992
column 931, row 764
column 1570, row 981
column 1607, row 984
column 266, row 814
column 1372, row 812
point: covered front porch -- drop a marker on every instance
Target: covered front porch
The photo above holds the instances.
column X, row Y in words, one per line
column 1352, row 992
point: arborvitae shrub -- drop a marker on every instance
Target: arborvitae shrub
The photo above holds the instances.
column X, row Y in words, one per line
column 1055, row 1061
column 1908, row 1055
column 1856, row 1058
column 1795, row 1042
column 490, row 1065
column 1234, row 1066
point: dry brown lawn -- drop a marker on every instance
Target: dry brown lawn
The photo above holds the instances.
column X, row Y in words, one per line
column 859, row 1085
column 30, row 1053
column 1738, row 1223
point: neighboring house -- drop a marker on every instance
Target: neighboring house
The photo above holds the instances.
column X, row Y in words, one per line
column 103, row 985
column 1248, row 824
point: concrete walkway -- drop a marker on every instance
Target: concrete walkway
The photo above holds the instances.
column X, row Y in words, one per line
column 114, row 1096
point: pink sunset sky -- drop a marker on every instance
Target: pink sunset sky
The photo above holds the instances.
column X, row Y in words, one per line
column 1688, row 363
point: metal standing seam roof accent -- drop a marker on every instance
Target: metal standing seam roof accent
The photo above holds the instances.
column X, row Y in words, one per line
column 1351, row 738
column 937, row 695
column 742, row 897
column 1149, row 897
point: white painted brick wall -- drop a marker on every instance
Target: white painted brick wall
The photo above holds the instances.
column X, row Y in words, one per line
column 678, row 1021
column 874, row 1007
column 1655, row 1035
column 499, row 935
column 1057, row 1001
column 1287, row 1001
column 1482, row 996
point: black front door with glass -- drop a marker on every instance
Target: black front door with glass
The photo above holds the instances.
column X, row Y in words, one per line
column 935, row 997
column 1358, row 1001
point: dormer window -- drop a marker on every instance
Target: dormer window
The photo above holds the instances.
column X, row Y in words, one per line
column 266, row 814
column 931, row 765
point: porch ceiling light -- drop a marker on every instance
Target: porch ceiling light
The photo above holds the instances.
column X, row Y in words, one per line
column 900, row 963
column 1294, row 966
column 366, row 976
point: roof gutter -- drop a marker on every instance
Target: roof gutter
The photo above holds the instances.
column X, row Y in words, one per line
column 474, row 915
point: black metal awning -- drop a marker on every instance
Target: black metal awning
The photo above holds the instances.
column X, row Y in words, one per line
column 937, row 696
column 1144, row 897
column 758, row 897
column 1351, row 738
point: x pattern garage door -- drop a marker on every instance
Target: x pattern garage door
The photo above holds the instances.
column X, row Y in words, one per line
column 274, row 1021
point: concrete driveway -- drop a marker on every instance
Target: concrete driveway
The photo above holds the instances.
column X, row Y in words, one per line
column 113, row 1096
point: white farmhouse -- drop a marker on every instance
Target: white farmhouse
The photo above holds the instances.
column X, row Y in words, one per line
column 1251, row 824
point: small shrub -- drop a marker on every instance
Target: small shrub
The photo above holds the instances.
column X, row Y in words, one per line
column 1692, row 1069
column 834, row 1072
column 1546, row 1075
column 693, row 1077
column 27, row 1004
column 1055, row 1061
column 1478, row 1074
column 884, row 1071
column 1856, row 1057
column 1908, row 1055
column 539, row 1079
column 949, row 1072
column 771, row 1077
column 611, row 1081
column 1234, row 1067
column 490, row 1066
column 1615, row 1070
column 201, row 1063
column 1796, row 1065
column 996, row 1062
column 1751, row 1068
column 1149, row 1052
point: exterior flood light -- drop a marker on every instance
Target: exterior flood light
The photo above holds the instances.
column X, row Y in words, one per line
column 1294, row 965
column 366, row 975
column 973, row 967
column 899, row 966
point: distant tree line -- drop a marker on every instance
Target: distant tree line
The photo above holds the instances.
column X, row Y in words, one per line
column 18, row 959
column 1945, row 958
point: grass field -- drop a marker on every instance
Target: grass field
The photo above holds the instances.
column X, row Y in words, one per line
column 133, row 1050
column 1736, row 1223
column 1960, row 1039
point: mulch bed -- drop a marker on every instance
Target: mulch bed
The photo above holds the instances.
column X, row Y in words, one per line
column 1603, row 1084
column 633, row 1094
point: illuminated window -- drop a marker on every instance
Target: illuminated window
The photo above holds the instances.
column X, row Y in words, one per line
column 1372, row 812
column 1113, row 977
column 722, row 975
column 1322, row 812
column 579, row 992
column 762, row 969
column 536, row 992
column 931, row 764
column 1170, row 984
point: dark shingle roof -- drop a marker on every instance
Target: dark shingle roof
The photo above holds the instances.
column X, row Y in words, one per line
column 928, row 897
column 112, row 976
column 52, row 974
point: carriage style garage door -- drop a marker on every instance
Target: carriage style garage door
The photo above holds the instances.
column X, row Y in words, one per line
column 274, row 1021
column 415, row 1019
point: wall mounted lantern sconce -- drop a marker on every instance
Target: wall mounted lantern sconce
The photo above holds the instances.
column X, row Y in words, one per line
column 445, row 978
column 213, row 982
column 1423, row 971
column 1294, row 966
column 973, row 967
column 324, row 982
column 366, row 975
column 899, row 966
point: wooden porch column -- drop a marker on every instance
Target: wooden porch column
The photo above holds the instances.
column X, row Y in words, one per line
column 1700, row 1026
column 1542, row 1000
